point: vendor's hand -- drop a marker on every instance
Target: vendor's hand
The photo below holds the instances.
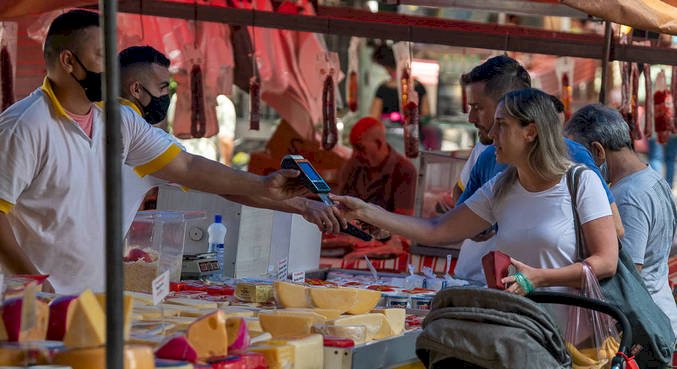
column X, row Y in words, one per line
column 349, row 206
column 284, row 184
column 327, row 218
column 528, row 272
column 485, row 235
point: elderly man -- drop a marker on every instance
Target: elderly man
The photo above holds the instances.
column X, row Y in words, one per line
column 376, row 172
column 643, row 197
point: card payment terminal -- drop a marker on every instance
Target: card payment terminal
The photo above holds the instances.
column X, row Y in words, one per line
column 317, row 185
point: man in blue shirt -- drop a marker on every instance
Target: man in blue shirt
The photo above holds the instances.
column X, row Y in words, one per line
column 485, row 85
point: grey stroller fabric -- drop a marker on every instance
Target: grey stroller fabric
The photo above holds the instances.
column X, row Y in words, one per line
column 490, row 329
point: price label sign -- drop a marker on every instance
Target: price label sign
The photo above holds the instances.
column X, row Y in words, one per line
column 282, row 269
column 298, row 277
column 160, row 287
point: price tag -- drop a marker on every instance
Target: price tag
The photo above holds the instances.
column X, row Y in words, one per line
column 298, row 277
column 282, row 269
column 160, row 287
column 373, row 271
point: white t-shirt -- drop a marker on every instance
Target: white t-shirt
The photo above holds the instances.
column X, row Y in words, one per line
column 468, row 265
column 537, row 228
column 52, row 184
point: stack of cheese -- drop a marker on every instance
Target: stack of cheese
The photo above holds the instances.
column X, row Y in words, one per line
column 307, row 307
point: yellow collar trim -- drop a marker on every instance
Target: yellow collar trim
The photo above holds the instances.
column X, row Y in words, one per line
column 132, row 105
column 58, row 108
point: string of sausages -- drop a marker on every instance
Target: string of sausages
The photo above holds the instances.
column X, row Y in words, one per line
column 7, row 78
column 329, row 129
column 352, row 91
column 198, row 120
column 254, row 103
column 648, row 102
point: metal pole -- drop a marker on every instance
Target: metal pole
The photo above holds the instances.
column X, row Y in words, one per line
column 605, row 62
column 114, row 272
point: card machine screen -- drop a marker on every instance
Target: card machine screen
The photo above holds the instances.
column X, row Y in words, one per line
column 310, row 172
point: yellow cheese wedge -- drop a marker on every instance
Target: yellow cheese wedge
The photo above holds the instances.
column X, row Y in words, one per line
column 366, row 301
column 135, row 357
column 277, row 357
column 395, row 319
column 290, row 295
column 339, row 298
column 328, row 314
column 87, row 327
column 281, row 323
column 208, row 335
column 308, row 351
column 27, row 317
column 373, row 322
column 127, row 305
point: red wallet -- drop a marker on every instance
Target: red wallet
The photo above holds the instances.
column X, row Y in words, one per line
column 496, row 266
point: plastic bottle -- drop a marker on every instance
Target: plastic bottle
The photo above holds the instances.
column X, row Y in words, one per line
column 217, row 235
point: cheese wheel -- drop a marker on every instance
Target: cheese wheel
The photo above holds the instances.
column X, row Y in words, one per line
column 339, row 298
column 290, row 295
column 373, row 322
column 366, row 301
column 283, row 323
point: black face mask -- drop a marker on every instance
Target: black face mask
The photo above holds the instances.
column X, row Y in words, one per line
column 156, row 110
column 91, row 83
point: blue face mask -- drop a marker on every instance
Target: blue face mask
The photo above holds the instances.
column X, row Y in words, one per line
column 604, row 170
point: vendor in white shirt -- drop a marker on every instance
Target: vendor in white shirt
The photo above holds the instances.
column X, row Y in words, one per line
column 530, row 200
column 52, row 179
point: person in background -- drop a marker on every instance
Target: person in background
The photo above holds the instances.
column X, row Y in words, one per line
column 530, row 201
column 376, row 172
column 144, row 77
column 662, row 157
column 52, row 183
column 485, row 87
column 386, row 102
column 643, row 198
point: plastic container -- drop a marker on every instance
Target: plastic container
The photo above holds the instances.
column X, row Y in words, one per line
column 154, row 245
column 217, row 235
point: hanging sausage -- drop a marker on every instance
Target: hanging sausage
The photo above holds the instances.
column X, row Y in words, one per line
column 329, row 128
column 353, row 77
column 198, row 120
column 411, row 140
column 635, row 131
column 567, row 95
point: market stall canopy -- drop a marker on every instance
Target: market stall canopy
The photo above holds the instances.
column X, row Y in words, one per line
column 12, row 9
column 651, row 15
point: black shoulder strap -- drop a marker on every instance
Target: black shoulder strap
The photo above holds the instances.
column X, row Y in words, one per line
column 573, row 180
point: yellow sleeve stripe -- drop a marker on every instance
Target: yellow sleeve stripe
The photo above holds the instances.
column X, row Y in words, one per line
column 159, row 162
column 460, row 185
column 5, row 207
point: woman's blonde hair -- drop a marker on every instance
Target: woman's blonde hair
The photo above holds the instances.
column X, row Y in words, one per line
column 548, row 156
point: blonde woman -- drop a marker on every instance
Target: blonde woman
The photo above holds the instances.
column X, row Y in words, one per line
column 529, row 201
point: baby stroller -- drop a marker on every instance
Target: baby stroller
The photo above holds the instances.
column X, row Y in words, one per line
column 520, row 333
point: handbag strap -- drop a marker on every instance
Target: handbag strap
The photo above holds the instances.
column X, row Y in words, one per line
column 573, row 180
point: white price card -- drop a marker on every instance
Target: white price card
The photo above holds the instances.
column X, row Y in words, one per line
column 160, row 287
column 282, row 269
column 298, row 277
column 373, row 271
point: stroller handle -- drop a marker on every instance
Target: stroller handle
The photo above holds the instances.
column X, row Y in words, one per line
column 597, row 305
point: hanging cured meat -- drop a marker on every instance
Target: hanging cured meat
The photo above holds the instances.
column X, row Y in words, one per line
column 411, row 130
column 635, row 131
column 405, row 80
column 663, row 109
column 254, row 103
column 198, row 121
column 351, row 89
column 7, row 78
column 648, row 102
column 567, row 95
column 329, row 129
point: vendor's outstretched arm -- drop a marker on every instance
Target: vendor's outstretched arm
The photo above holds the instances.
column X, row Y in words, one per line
column 326, row 217
column 206, row 175
column 452, row 227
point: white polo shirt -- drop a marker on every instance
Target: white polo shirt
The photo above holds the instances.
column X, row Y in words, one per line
column 52, row 177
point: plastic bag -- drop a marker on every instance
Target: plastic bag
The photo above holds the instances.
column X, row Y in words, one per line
column 592, row 338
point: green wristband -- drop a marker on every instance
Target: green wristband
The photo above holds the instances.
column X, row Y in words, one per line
column 524, row 282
